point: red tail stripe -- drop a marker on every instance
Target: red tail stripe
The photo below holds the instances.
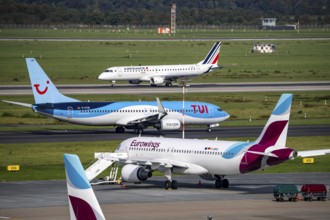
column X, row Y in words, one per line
column 216, row 59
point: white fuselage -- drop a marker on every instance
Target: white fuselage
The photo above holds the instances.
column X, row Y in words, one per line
column 204, row 156
column 150, row 73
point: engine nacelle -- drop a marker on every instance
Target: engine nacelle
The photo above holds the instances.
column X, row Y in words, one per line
column 134, row 82
column 169, row 124
column 135, row 173
column 156, row 80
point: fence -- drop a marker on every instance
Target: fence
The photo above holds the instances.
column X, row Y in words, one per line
column 154, row 27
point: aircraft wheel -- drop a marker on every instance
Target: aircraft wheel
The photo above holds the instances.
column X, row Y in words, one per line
column 120, row 130
column 174, row 184
column 167, row 184
column 218, row 183
column 225, row 183
column 168, row 84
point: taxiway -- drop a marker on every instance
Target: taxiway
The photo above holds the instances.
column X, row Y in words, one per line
column 249, row 197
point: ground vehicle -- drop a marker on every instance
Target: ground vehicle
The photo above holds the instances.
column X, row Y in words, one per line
column 310, row 191
column 286, row 190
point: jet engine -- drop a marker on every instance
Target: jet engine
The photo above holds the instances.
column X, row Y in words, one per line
column 169, row 124
column 156, row 80
column 135, row 173
column 134, row 82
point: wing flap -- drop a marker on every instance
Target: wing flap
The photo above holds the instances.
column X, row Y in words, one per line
column 136, row 120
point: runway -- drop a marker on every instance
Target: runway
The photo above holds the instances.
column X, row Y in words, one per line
column 102, row 134
column 249, row 197
column 193, row 88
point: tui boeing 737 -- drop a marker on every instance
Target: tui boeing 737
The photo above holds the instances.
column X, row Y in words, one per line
column 210, row 159
column 124, row 115
column 161, row 74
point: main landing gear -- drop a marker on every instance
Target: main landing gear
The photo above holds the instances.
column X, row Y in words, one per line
column 169, row 183
column 220, row 182
column 120, row 129
column 168, row 84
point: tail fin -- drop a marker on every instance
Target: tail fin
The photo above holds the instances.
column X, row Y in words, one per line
column 82, row 201
column 276, row 129
column 213, row 56
column 44, row 90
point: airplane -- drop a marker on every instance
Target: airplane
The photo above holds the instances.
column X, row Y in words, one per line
column 210, row 159
column 160, row 74
column 136, row 115
column 82, row 200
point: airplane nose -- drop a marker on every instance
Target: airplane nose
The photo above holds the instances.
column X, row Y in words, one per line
column 226, row 115
column 102, row 76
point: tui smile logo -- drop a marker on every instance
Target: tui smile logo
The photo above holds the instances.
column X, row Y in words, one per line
column 41, row 92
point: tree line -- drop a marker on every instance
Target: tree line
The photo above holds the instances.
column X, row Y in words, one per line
column 157, row 12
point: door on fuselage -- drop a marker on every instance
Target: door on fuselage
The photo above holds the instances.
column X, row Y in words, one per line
column 70, row 112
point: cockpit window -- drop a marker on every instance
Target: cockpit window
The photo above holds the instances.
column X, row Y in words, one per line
column 107, row 71
column 219, row 109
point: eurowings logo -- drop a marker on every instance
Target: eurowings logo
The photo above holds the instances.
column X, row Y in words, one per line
column 41, row 92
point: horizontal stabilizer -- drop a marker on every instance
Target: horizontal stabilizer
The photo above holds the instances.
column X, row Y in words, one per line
column 311, row 153
column 19, row 103
column 263, row 154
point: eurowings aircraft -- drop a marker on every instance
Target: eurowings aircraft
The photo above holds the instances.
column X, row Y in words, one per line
column 161, row 74
column 211, row 159
column 125, row 115
column 82, row 200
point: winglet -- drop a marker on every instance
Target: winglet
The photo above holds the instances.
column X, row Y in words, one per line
column 161, row 109
column 82, row 201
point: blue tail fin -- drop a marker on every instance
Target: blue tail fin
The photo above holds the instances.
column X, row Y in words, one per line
column 44, row 90
column 82, row 201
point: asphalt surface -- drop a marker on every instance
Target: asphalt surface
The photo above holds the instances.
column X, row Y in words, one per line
column 109, row 134
column 193, row 88
column 249, row 197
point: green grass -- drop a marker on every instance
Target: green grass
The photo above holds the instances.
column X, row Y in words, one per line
column 239, row 106
column 43, row 161
column 151, row 33
column 82, row 62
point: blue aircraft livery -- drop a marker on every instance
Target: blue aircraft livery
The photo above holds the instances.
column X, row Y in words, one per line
column 135, row 115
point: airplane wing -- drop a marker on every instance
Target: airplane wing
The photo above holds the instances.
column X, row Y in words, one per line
column 145, row 119
column 311, row 153
column 185, row 167
column 19, row 103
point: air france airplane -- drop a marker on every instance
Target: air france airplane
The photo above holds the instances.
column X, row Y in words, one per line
column 161, row 74
column 211, row 159
column 82, row 200
column 125, row 115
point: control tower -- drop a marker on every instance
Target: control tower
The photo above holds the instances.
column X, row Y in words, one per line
column 173, row 18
